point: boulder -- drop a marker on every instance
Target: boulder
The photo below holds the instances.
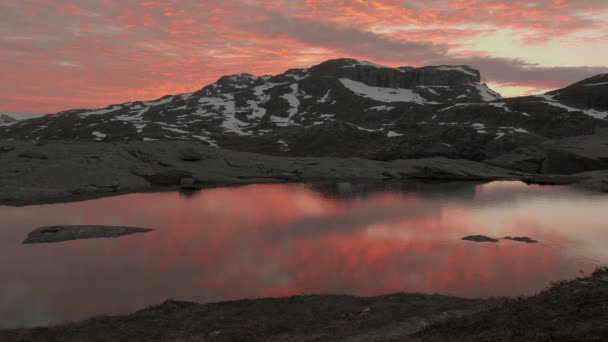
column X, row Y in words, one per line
column 65, row 233
column 188, row 183
column 190, row 154
column 521, row 239
column 479, row 238
column 166, row 178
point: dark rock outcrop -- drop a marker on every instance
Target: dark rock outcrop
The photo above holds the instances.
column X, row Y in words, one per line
column 479, row 238
column 404, row 77
column 588, row 93
column 190, row 154
column 6, row 119
column 66, row 233
column 521, row 239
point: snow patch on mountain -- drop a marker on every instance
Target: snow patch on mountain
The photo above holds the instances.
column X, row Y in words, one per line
column 99, row 135
column 294, row 103
column 101, row 111
column 595, row 84
column 456, row 68
column 486, row 93
column 366, row 63
column 549, row 99
column 382, row 108
column 387, row 95
column 325, row 97
column 501, row 105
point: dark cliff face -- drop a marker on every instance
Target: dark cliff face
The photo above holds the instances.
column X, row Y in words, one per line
column 404, row 77
column 588, row 93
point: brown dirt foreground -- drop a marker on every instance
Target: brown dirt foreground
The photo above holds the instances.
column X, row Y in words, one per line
column 571, row 310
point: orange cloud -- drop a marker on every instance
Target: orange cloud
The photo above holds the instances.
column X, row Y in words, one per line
column 84, row 53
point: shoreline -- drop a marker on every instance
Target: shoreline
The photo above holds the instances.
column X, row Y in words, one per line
column 394, row 317
column 60, row 172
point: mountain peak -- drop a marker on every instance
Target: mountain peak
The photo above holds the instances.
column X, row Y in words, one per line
column 377, row 75
column 6, row 120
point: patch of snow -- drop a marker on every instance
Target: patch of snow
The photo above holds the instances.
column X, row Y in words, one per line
column 591, row 112
column 294, row 102
column 499, row 135
column 283, row 145
column 392, row 134
column 595, row 84
column 99, row 135
column 178, row 108
column 140, row 126
column 210, row 141
column 159, row 102
column 149, row 139
column 365, row 63
column 454, row 106
column 478, row 125
column 432, row 91
column 481, row 131
column 297, row 77
column 325, row 97
column 500, row 105
column 224, row 107
column 186, row 96
column 363, row 128
column 486, row 93
column 388, row 95
column 456, row 68
column 525, row 114
column 176, row 130
column 101, row 111
column 262, row 97
column 382, row 108
column 515, row 129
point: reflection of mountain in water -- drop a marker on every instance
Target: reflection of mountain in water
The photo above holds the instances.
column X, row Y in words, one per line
column 279, row 240
column 445, row 190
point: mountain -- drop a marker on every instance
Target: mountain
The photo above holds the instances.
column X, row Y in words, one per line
column 345, row 108
column 6, row 120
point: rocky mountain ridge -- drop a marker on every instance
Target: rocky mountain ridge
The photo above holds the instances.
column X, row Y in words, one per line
column 6, row 120
column 342, row 108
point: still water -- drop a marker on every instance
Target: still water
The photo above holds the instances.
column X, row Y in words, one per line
column 280, row 240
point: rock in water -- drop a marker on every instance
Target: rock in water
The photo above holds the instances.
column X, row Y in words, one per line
column 66, row 233
column 479, row 238
column 521, row 239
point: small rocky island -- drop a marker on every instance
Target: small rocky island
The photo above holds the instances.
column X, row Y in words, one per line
column 66, row 233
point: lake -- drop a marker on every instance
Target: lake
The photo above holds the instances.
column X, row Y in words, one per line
column 280, row 240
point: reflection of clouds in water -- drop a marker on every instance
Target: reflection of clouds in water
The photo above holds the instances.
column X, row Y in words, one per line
column 270, row 240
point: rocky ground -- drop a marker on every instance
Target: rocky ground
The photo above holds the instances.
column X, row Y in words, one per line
column 64, row 171
column 574, row 310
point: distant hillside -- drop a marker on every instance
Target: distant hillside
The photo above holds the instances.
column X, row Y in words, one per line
column 345, row 108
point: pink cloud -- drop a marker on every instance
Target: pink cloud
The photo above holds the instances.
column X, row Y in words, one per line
column 84, row 53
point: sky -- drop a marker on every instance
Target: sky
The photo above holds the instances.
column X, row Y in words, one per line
column 63, row 54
